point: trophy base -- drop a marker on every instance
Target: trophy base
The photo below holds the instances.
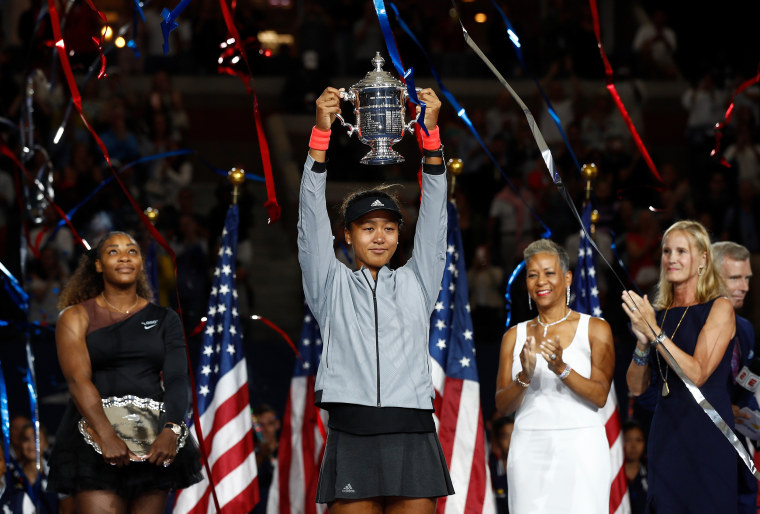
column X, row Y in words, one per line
column 381, row 153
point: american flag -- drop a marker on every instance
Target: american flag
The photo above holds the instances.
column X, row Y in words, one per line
column 302, row 438
column 457, row 391
column 223, row 407
column 587, row 301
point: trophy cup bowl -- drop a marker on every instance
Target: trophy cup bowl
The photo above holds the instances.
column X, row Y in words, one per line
column 379, row 102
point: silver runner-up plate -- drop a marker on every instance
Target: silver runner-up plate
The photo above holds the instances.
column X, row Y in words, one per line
column 137, row 421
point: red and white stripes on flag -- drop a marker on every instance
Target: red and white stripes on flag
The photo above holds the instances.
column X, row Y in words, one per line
column 228, row 432
column 460, row 427
column 619, row 500
column 296, row 474
column 302, row 437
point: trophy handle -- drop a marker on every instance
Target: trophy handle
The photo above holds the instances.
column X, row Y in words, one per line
column 351, row 128
column 348, row 96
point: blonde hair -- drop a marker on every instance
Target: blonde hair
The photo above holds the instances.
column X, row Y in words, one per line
column 709, row 283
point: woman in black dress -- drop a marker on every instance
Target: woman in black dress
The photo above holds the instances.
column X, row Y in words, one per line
column 692, row 466
column 112, row 342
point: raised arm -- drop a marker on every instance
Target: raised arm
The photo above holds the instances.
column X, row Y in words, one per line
column 429, row 252
column 74, row 360
column 315, row 238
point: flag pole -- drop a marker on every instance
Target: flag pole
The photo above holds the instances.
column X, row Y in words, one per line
column 455, row 168
column 152, row 215
column 236, row 176
column 590, row 172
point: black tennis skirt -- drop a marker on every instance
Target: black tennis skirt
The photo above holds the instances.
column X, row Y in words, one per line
column 367, row 466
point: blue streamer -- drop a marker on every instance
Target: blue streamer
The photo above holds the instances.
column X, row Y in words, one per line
column 513, row 37
column 169, row 24
column 462, row 114
column 408, row 75
column 17, row 293
column 31, row 381
column 508, row 293
column 139, row 10
column 5, row 417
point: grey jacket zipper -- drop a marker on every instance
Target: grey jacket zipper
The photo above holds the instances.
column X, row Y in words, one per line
column 377, row 336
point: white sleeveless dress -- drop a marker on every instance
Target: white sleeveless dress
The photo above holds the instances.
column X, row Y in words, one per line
column 558, row 458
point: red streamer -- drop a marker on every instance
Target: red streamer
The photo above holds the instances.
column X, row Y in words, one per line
column 99, row 42
column 77, row 101
column 279, row 331
column 729, row 114
column 271, row 204
column 616, row 97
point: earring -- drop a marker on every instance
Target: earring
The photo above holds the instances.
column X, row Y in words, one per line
column 568, row 296
column 700, row 270
column 530, row 305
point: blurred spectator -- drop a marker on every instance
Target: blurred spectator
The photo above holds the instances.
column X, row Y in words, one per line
column 164, row 97
column 634, row 445
column 601, row 122
column 16, row 426
column 565, row 104
column 655, row 46
column 642, row 245
column 192, row 266
column 120, row 140
column 510, row 223
column 304, row 84
column 27, row 473
column 13, row 498
column 486, row 283
column 677, row 202
column 45, row 281
column 267, row 426
column 497, row 461
column 744, row 157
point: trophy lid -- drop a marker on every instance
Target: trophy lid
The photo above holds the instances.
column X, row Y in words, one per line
column 378, row 77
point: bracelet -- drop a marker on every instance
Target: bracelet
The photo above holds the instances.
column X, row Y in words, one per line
column 320, row 139
column 566, row 372
column 522, row 384
column 432, row 141
column 640, row 356
column 659, row 339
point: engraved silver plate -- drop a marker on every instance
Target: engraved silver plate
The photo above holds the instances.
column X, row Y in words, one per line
column 379, row 101
column 137, row 421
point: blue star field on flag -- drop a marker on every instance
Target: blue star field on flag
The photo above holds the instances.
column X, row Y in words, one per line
column 584, row 278
column 222, row 346
column 451, row 340
column 310, row 346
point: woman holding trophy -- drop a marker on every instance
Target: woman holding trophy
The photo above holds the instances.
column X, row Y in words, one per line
column 116, row 348
column 382, row 452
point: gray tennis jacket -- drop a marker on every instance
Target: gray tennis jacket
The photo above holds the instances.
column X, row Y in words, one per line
column 374, row 334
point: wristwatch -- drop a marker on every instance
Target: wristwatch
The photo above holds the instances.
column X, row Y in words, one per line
column 177, row 429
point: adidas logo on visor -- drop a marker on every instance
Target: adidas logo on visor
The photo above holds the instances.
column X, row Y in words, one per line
column 377, row 203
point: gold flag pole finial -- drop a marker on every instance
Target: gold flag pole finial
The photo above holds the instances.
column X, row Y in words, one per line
column 152, row 215
column 236, row 176
column 455, row 169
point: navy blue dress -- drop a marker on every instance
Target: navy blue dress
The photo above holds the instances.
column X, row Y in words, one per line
column 692, row 466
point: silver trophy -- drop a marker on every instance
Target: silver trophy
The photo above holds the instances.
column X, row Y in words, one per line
column 379, row 102
column 137, row 421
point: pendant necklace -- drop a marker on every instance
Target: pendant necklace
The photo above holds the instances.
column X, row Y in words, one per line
column 116, row 308
column 665, row 388
column 547, row 325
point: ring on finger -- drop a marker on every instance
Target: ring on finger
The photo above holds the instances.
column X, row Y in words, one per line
column 553, row 356
column 167, row 462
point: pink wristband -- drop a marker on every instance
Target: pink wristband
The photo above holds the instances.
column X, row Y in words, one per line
column 432, row 141
column 320, row 139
